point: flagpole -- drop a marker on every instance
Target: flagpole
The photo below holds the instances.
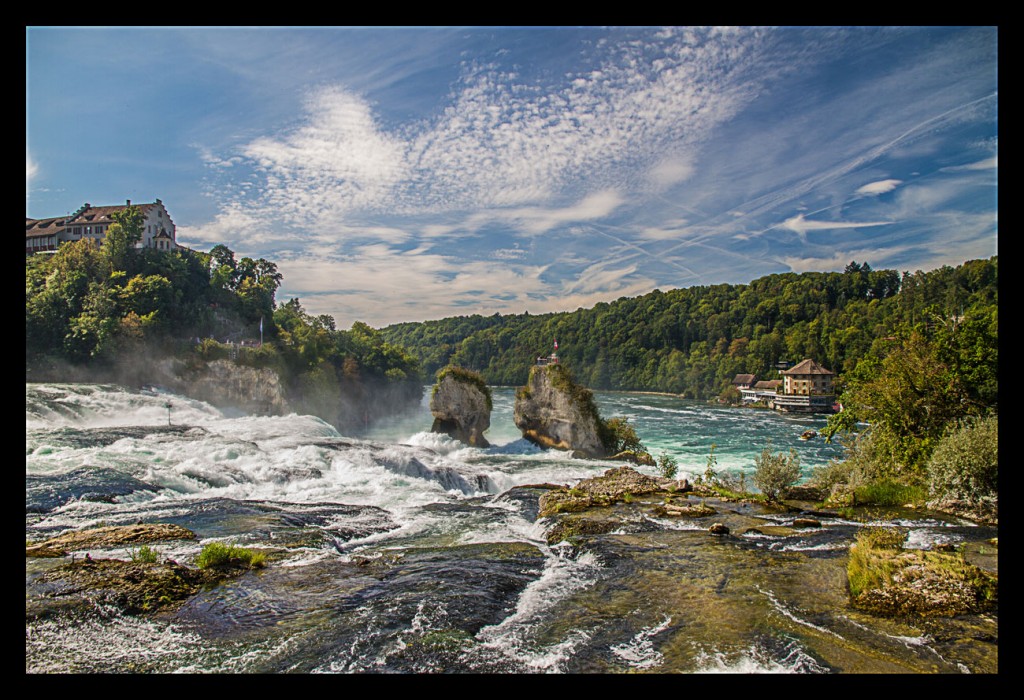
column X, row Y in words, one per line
column 261, row 331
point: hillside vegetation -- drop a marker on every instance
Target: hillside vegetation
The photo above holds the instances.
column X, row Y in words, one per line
column 110, row 312
column 693, row 341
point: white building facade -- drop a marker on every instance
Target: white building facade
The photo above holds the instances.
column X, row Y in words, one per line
column 158, row 230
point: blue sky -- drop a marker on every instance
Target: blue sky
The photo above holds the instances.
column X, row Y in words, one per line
column 404, row 174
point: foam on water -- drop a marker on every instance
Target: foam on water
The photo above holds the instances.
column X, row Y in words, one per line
column 639, row 652
column 110, row 642
column 758, row 659
column 512, row 638
column 103, row 405
column 792, row 616
column 921, row 538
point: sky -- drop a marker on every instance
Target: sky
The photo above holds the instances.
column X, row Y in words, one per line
column 408, row 174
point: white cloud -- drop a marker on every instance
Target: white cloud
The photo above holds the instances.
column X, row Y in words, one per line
column 672, row 230
column 671, row 171
column 984, row 164
column 502, row 142
column 801, row 225
column 337, row 161
column 840, row 259
column 31, row 169
column 879, row 187
column 233, row 227
column 604, row 276
column 538, row 220
column 926, row 199
column 381, row 286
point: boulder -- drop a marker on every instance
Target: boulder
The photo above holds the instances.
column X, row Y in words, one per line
column 697, row 510
column 461, row 406
column 554, row 412
column 614, row 485
column 806, row 522
column 718, row 529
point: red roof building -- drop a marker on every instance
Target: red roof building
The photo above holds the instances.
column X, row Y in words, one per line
column 158, row 230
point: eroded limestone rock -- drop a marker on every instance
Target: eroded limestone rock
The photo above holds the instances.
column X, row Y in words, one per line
column 461, row 406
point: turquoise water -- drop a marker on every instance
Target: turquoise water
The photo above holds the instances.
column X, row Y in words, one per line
column 685, row 429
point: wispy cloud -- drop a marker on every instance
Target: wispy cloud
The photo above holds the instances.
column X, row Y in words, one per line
column 505, row 143
column 984, row 164
column 801, row 225
column 337, row 161
column 31, row 169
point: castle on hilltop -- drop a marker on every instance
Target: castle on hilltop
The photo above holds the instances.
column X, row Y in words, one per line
column 45, row 235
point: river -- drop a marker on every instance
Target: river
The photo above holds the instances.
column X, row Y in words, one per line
column 402, row 551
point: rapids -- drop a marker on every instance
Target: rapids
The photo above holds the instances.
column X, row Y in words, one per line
column 403, row 551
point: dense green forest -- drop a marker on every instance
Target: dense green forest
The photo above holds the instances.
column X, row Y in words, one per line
column 98, row 309
column 693, row 341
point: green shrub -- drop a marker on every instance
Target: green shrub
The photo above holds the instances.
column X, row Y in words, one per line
column 889, row 493
column 833, row 473
column 618, row 435
column 143, row 555
column 667, row 466
column 220, row 554
column 965, row 463
column 210, row 349
column 776, row 472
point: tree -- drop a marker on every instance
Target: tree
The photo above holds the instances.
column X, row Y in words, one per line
column 122, row 236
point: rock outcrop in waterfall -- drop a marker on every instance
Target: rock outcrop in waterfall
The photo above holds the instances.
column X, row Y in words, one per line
column 226, row 384
column 553, row 411
column 461, row 406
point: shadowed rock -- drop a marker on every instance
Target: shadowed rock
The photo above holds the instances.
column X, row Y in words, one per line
column 461, row 406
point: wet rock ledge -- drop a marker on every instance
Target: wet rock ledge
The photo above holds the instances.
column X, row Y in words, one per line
column 137, row 587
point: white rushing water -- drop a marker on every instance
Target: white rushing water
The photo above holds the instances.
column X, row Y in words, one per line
column 104, row 454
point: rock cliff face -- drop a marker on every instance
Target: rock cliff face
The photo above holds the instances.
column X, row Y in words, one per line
column 227, row 385
column 553, row 411
column 461, row 407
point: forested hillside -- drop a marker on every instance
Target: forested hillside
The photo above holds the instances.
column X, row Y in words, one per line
column 693, row 341
column 93, row 312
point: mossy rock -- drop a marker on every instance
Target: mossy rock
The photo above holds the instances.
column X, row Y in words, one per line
column 886, row 579
column 614, row 485
column 575, row 526
column 134, row 587
column 108, row 537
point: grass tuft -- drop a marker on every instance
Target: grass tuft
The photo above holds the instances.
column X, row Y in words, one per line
column 143, row 555
column 219, row 554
